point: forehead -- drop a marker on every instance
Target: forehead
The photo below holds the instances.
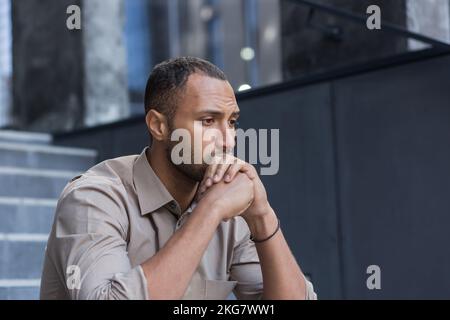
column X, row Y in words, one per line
column 201, row 89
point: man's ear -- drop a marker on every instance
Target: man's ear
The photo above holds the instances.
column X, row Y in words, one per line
column 157, row 125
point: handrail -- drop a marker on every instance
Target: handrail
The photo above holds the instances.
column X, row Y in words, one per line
column 357, row 18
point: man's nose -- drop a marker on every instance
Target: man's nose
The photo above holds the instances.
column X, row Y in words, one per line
column 227, row 142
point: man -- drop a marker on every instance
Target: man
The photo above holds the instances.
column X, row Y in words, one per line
column 143, row 227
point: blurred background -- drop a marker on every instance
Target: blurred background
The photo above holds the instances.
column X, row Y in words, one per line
column 364, row 119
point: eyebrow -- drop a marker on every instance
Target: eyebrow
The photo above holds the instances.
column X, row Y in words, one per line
column 216, row 112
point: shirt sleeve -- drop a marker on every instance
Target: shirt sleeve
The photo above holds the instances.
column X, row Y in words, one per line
column 245, row 267
column 89, row 236
column 246, row 270
column 310, row 294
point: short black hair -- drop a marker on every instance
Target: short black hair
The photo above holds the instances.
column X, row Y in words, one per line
column 169, row 78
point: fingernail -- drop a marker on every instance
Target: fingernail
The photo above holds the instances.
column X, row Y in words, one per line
column 228, row 177
column 216, row 177
column 208, row 182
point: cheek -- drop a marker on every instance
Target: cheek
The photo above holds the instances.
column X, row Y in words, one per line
column 211, row 138
column 207, row 147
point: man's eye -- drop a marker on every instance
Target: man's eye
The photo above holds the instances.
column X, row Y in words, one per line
column 207, row 122
column 234, row 123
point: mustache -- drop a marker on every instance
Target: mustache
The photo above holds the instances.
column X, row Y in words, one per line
column 221, row 157
column 222, row 153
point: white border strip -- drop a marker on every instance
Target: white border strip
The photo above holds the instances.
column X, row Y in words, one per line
column 48, row 149
column 24, row 237
column 35, row 202
column 25, row 136
column 38, row 172
column 17, row 283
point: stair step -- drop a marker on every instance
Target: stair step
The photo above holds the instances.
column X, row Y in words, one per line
column 45, row 157
column 25, row 137
column 22, row 255
column 33, row 173
column 33, row 183
column 26, row 215
column 19, row 289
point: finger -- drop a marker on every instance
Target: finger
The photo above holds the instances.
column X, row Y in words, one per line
column 249, row 171
column 229, row 161
column 241, row 166
column 198, row 196
column 232, row 171
column 221, row 169
column 208, row 178
column 205, row 186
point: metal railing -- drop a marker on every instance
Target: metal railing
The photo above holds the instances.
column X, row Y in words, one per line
column 362, row 19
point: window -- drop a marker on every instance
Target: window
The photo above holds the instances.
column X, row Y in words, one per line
column 5, row 62
column 138, row 42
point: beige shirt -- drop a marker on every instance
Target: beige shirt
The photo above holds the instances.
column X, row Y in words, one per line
column 117, row 215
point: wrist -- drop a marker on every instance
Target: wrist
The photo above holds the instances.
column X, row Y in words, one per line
column 263, row 225
column 210, row 210
column 255, row 213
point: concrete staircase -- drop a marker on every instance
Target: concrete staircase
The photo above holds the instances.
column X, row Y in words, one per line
column 33, row 173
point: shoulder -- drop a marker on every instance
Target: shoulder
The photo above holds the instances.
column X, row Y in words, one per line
column 110, row 176
column 98, row 196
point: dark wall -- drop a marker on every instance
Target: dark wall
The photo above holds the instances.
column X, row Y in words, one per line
column 393, row 138
column 47, row 81
column 303, row 191
column 364, row 174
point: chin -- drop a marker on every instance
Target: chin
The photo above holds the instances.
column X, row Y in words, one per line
column 194, row 172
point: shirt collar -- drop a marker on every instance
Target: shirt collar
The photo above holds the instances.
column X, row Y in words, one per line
column 151, row 192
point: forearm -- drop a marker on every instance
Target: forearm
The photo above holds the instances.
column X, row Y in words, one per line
column 282, row 276
column 169, row 271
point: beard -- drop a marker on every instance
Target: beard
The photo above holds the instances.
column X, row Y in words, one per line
column 194, row 172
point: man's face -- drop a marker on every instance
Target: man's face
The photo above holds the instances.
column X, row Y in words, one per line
column 206, row 103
